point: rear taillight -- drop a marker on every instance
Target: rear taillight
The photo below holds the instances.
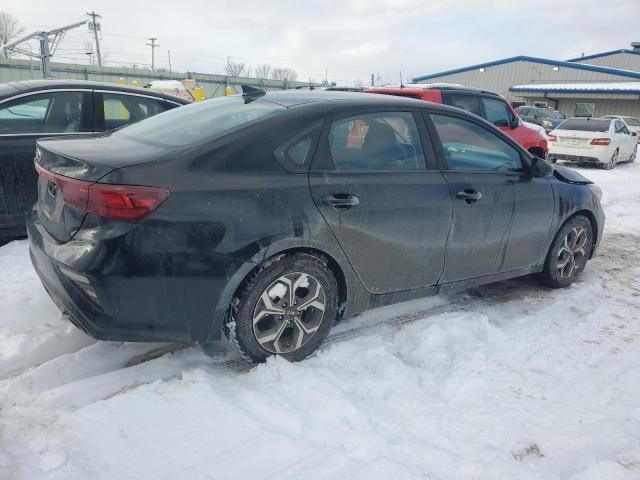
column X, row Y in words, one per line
column 124, row 202
column 601, row 141
column 119, row 202
column 552, row 138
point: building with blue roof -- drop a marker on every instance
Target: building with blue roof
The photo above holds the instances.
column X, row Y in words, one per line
column 605, row 83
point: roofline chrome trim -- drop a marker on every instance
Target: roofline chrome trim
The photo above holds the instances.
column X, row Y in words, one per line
column 135, row 94
column 45, row 134
column 51, row 90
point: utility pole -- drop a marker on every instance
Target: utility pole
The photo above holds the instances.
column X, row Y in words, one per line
column 95, row 27
column 373, row 81
column 170, row 69
column 153, row 46
column 44, row 55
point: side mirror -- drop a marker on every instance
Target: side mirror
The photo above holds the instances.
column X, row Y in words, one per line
column 540, row 167
column 634, row 134
column 515, row 123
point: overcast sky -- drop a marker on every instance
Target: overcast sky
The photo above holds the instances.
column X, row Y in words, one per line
column 350, row 38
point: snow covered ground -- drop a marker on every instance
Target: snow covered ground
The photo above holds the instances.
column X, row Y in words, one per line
column 508, row 381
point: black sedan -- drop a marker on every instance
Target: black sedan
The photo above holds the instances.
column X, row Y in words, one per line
column 34, row 109
column 267, row 217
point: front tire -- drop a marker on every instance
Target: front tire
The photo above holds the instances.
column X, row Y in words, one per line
column 286, row 308
column 569, row 253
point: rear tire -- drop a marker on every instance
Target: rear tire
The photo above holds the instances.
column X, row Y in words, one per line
column 569, row 253
column 612, row 163
column 286, row 308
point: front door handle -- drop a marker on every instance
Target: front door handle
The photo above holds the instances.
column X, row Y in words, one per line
column 342, row 201
column 469, row 195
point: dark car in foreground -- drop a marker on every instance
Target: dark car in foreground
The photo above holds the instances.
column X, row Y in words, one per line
column 546, row 117
column 34, row 109
column 258, row 217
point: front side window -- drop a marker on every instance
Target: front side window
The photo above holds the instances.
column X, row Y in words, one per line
column 376, row 141
column 468, row 146
column 496, row 112
column 54, row 112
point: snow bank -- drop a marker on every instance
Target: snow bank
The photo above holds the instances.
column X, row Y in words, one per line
column 509, row 380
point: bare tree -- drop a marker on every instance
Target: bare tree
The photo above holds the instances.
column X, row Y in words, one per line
column 10, row 28
column 262, row 71
column 287, row 74
column 237, row 69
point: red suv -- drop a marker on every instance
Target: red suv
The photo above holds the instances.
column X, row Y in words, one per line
column 488, row 105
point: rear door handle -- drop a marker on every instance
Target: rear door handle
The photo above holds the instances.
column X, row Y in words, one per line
column 342, row 201
column 469, row 195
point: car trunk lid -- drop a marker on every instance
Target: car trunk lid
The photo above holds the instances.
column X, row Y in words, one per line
column 67, row 169
column 577, row 138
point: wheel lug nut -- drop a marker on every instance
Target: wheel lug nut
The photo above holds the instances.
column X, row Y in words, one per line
column 284, row 304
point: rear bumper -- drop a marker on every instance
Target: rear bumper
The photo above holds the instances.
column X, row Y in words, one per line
column 583, row 155
column 136, row 286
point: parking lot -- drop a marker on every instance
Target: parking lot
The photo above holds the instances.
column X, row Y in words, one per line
column 510, row 380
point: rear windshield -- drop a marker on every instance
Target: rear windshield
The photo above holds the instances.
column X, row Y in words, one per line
column 586, row 125
column 198, row 122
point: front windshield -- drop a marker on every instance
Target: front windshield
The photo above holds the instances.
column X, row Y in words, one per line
column 551, row 114
column 632, row 122
column 198, row 122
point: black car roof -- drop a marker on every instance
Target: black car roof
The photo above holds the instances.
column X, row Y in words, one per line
column 13, row 88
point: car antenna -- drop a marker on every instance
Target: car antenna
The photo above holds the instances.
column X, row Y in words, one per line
column 252, row 93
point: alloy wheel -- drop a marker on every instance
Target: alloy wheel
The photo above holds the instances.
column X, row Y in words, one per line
column 289, row 312
column 572, row 252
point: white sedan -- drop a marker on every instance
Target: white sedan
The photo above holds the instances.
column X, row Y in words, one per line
column 601, row 141
column 632, row 123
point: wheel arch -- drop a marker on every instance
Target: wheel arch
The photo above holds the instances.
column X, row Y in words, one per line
column 592, row 220
column 245, row 274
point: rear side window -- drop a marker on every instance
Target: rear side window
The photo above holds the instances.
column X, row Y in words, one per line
column 53, row 112
column 376, row 141
column 200, row 122
column 465, row 102
column 120, row 110
column 496, row 112
column 468, row 146
column 295, row 154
